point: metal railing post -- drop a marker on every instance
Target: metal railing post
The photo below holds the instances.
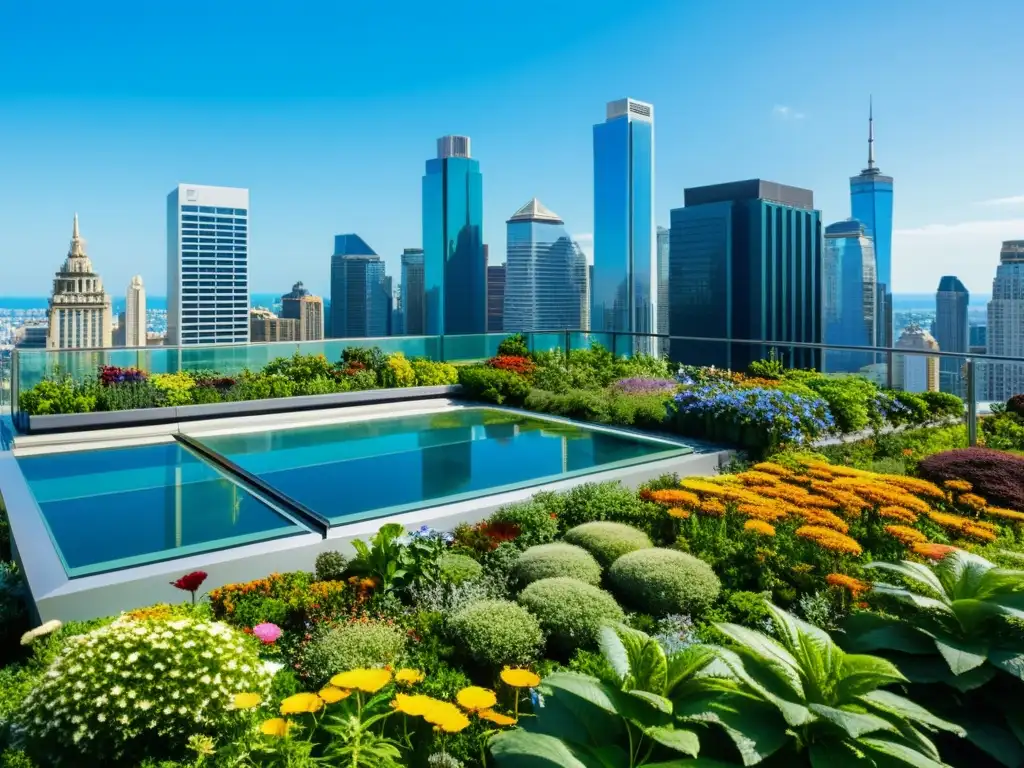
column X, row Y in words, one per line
column 568, row 341
column 615, row 344
column 440, row 349
column 972, row 405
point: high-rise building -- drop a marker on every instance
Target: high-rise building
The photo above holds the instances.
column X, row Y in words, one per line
column 119, row 335
column 663, row 292
column 387, row 288
column 359, row 308
column 79, row 308
column 545, row 273
column 745, row 263
column 871, row 204
column 397, row 314
column 848, row 300
column 412, row 291
column 496, row 299
column 299, row 304
column 265, row 326
column 622, row 294
column 207, row 265
column 135, row 314
column 978, row 334
column 31, row 335
column 1005, row 335
column 951, row 300
column 454, row 269
column 916, row 373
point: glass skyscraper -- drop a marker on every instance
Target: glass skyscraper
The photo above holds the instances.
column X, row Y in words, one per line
column 745, row 263
column 663, row 252
column 622, row 294
column 951, row 301
column 359, row 300
column 495, row 298
column 871, row 204
column 207, row 265
column 1005, row 335
column 545, row 273
column 848, row 301
column 412, row 291
column 454, row 267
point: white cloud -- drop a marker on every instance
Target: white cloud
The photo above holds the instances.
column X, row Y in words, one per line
column 787, row 113
column 1015, row 200
column 586, row 244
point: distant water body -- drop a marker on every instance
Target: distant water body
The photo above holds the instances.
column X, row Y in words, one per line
column 152, row 302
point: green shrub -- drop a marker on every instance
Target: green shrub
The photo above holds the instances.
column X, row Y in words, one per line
column 607, row 541
column 129, row 396
column 849, row 399
column 495, row 633
column 580, row 404
column 204, row 395
column 571, row 612
column 64, row 395
column 942, row 405
column 645, row 411
column 608, row 501
column 915, row 404
column 173, row 388
column 361, row 380
column 321, row 385
column 769, row 368
column 359, row 643
column 546, row 561
column 514, row 345
column 299, row 368
column 432, row 374
column 664, row 581
column 330, row 566
column 372, row 357
column 642, row 366
column 532, row 519
column 493, row 385
column 398, row 372
column 136, row 689
column 458, row 568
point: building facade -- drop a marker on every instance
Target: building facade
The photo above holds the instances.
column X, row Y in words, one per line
column 745, row 262
column 207, row 265
column 545, row 273
column 623, row 290
column 135, row 314
column 79, row 312
column 848, row 300
column 951, row 332
column 413, row 292
column 1005, row 334
column 871, row 204
column 265, row 326
column 916, row 373
column 663, row 291
column 454, row 267
column 496, row 299
column 299, row 304
column 359, row 308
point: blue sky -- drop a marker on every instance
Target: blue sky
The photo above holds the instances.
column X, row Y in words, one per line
column 327, row 112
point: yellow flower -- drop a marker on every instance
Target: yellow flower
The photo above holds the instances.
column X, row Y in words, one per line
column 474, row 697
column 892, row 512
column 333, row 695
column 829, row 539
column 675, row 497
column 1005, row 514
column 972, row 500
column 247, row 700
column 679, row 512
column 759, row 526
column 301, row 703
column 520, row 678
column 445, row 716
column 366, row 680
column 495, row 717
column 453, row 723
column 958, row 485
column 417, row 705
column 277, row 726
column 409, row 676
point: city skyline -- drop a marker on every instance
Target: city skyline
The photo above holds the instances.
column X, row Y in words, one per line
column 128, row 145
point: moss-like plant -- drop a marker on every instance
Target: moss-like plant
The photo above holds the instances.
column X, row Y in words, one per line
column 608, row 541
column 496, row 633
column 547, row 561
column 570, row 611
column 664, row 581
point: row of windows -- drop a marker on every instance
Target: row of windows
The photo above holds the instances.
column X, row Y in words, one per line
column 221, row 240
column 210, row 269
column 210, row 209
column 192, row 220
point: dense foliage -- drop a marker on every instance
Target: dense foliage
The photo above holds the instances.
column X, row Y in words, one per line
column 996, row 475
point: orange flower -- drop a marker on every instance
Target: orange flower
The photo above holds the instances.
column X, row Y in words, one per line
column 773, row 469
column 765, row 512
column 958, row 485
column 679, row 513
column 674, row 497
column 760, row 527
column 820, row 474
column 1005, row 514
column 892, row 512
column 972, row 500
column 825, row 519
column 702, row 485
column 855, row 587
column 932, row 551
column 712, row 508
column 914, row 485
column 754, row 478
column 906, row 535
column 829, row 539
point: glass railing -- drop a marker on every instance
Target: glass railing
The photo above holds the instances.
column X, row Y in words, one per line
column 5, row 379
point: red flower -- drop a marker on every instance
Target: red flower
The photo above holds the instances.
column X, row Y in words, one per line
column 190, row 582
column 524, row 366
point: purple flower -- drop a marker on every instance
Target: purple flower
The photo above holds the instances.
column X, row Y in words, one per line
column 643, row 386
column 267, row 632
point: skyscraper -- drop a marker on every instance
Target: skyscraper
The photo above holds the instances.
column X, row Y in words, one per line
column 265, row 326
column 848, row 301
column 951, row 300
column 1005, row 335
column 496, row 299
column 79, row 308
column 358, row 305
column 454, row 269
column 916, row 373
column 663, row 252
column 135, row 314
column 545, row 273
column 412, row 291
column 871, row 204
column 299, row 304
column 745, row 263
column 207, row 265
column 622, row 294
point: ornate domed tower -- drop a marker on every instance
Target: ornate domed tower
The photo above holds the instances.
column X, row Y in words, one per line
column 79, row 307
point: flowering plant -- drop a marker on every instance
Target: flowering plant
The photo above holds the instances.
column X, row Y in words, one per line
column 524, row 366
column 134, row 689
column 644, row 386
column 191, row 582
column 112, row 374
column 267, row 633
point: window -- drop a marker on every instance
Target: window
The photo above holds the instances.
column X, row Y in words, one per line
column 192, row 208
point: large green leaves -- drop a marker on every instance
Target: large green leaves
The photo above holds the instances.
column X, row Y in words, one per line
column 637, row 659
column 520, row 749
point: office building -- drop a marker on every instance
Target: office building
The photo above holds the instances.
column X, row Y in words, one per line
column 79, row 309
column 951, row 300
column 265, row 326
column 207, row 265
column 916, row 373
column 545, row 273
column 388, row 291
column 135, row 314
column 119, row 336
column 496, row 298
column 31, row 335
column 397, row 314
column 622, row 292
column 977, row 335
column 1005, row 334
column 412, row 292
column 299, row 304
column 359, row 308
column 871, row 204
column 454, row 268
column 663, row 292
column 848, row 301
column 745, row 262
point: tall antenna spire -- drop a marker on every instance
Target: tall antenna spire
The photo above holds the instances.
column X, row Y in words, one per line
column 871, row 134
column 74, row 231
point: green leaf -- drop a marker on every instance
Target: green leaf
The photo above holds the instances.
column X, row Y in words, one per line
column 572, row 716
column 866, row 631
column 683, row 666
column 771, row 653
column 590, row 689
column 898, row 705
column 993, row 738
column 675, row 738
column 855, row 724
column 861, row 673
column 916, row 572
column 754, row 726
column 833, row 753
column 659, row 703
column 898, row 754
column 761, row 678
column 520, row 749
column 962, row 573
column 933, row 669
column 1009, row 662
column 614, row 651
column 913, row 598
column 650, row 668
column 961, row 656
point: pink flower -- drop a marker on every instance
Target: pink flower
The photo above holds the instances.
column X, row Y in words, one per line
column 267, row 632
